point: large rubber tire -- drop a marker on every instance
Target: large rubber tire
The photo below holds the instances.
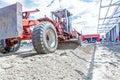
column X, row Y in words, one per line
column 5, row 49
column 44, row 37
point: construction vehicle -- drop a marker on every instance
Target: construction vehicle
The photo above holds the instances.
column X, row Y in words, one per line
column 46, row 35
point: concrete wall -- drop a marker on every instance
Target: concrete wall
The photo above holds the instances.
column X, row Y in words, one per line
column 119, row 29
column 113, row 33
column 108, row 36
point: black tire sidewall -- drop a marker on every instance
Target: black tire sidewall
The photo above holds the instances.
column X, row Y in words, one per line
column 8, row 49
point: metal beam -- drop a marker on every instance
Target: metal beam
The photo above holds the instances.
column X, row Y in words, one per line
column 109, row 18
column 107, row 11
column 107, row 24
column 99, row 14
column 100, row 32
column 104, row 27
column 117, row 12
column 115, row 4
column 112, row 16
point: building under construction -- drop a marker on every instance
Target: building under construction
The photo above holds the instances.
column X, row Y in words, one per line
column 109, row 20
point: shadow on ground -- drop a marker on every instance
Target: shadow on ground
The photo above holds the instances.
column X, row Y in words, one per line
column 22, row 54
column 114, row 48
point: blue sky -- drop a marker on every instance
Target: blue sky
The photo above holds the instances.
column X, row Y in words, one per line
column 85, row 12
column 87, row 0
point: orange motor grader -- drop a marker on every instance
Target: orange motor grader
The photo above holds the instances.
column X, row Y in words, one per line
column 46, row 35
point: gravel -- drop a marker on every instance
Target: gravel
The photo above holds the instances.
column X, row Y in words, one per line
column 83, row 63
column 107, row 63
column 26, row 64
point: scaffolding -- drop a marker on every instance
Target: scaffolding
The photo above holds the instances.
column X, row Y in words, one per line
column 109, row 15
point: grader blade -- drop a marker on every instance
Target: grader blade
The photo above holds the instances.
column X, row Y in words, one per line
column 11, row 21
column 69, row 44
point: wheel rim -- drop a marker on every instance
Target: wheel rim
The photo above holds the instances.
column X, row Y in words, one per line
column 11, row 44
column 50, row 38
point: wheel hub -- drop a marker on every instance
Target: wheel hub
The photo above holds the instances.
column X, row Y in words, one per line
column 50, row 38
column 11, row 42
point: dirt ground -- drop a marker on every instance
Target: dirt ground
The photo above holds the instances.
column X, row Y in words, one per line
column 107, row 62
column 83, row 63
column 26, row 64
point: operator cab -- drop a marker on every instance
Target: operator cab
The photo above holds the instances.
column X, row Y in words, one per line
column 63, row 16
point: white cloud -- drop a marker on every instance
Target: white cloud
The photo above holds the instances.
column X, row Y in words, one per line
column 86, row 12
